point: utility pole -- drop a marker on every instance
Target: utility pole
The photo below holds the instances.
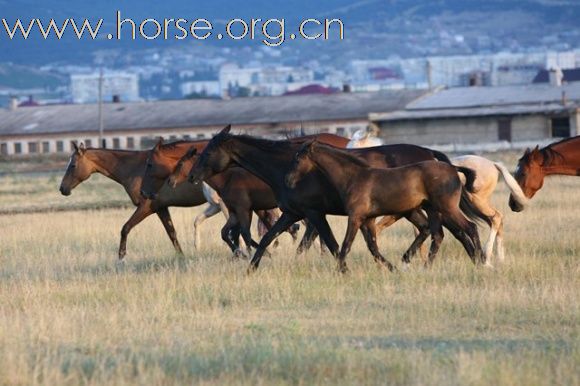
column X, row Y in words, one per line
column 429, row 74
column 102, row 142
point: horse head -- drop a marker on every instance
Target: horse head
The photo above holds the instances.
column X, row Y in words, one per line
column 78, row 170
column 529, row 175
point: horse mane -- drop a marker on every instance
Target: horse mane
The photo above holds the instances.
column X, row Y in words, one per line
column 343, row 155
column 173, row 145
column 550, row 155
column 264, row 144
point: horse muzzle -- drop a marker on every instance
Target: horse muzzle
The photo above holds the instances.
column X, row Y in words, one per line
column 64, row 191
column 515, row 206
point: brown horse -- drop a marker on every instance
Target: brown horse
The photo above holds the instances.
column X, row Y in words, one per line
column 240, row 191
column 368, row 193
column 562, row 157
column 314, row 197
column 126, row 168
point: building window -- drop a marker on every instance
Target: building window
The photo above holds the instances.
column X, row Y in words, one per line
column 59, row 146
column 504, row 130
column 3, row 149
column 172, row 138
column 200, row 136
column 561, row 127
column 340, row 131
column 186, row 137
column 130, row 143
column 17, row 148
column 32, row 147
column 46, row 147
column 116, row 143
column 88, row 143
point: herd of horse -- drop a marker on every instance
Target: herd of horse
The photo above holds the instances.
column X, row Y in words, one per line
column 304, row 179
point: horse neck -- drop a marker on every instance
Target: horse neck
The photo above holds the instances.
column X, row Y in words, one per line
column 268, row 164
column 116, row 165
column 337, row 170
column 569, row 162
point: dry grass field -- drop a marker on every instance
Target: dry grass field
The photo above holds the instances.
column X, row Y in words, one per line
column 68, row 316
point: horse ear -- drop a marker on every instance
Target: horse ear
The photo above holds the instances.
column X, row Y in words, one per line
column 81, row 148
column 527, row 151
column 159, row 143
column 75, row 146
column 226, row 130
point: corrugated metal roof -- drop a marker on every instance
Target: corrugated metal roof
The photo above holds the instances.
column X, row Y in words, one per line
column 192, row 113
column 553, row 108
column 467, row 97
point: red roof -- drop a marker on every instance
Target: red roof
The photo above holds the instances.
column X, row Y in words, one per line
column 312, row 89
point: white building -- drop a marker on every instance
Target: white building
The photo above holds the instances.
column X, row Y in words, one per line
column 265, row 81
column 85, row 87
column 209, row 88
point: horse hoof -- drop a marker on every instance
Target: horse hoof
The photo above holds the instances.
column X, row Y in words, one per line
column 120, row 266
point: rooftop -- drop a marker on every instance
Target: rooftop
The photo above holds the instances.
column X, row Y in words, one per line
column 202, row 112
column 485, row 101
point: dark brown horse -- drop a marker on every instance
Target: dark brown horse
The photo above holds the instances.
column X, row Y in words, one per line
column 240, row 191
column 313, row 197
column 562, row 158
column 126, row 168
column 368, row 193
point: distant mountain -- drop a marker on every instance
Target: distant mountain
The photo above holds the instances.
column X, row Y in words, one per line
column 522, row 20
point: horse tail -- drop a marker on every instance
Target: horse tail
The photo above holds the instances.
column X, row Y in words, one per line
column 470, row 210
column 512, row 184
column 469, row 177
column 439, row 156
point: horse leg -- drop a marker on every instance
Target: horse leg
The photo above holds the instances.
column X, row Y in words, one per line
column 245, row 221
column 310, row 235
column 354, row 223
column 283, row 223
column 326, row 236
column 482, row 203
column 165, row 218
column 226, row 231
column 209, row 211
column 466, row 232
column 499, row 244
column 437, row 235
column 417, row 218
column 369, row 232
column 142, row 212
column 385, row 222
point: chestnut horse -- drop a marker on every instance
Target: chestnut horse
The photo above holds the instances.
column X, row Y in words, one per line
column 368, row 193
column 314, row 197
column 561, row 157
column 126, row 167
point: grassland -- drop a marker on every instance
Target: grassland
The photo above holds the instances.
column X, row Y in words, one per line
column 68, row 316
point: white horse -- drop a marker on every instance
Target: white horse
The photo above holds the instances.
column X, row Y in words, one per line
column 214, row 206
column 487, row 176
column 364, row 138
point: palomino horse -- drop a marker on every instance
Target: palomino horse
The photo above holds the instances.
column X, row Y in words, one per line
column 562, row 158
column 239, row 191
column 485, row 183
column 126, row 168
column 368, row 193
column 314, row 197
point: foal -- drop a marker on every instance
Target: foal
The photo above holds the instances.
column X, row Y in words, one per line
column 368, row 193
